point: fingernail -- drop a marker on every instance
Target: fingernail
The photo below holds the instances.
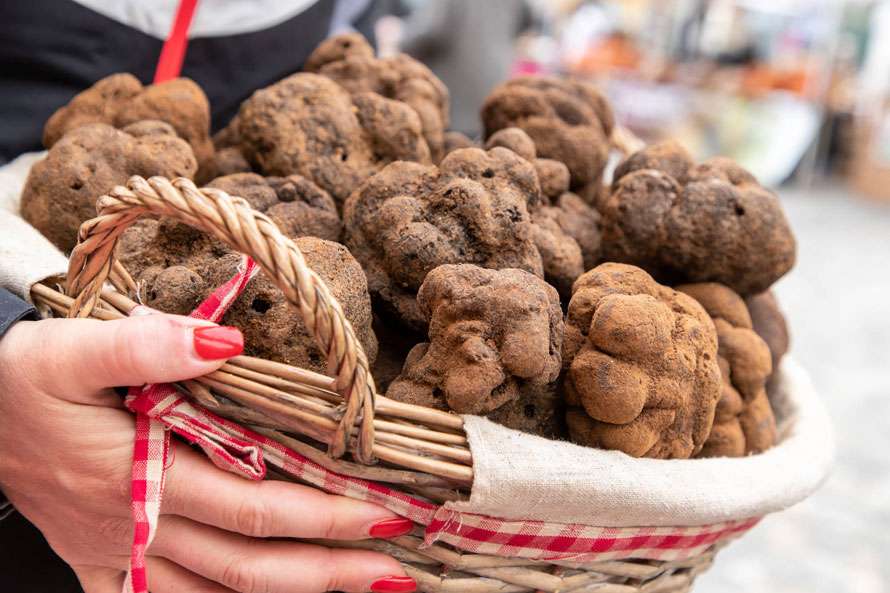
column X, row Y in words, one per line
column 394, row 585
column 213, row 343
column 391, row 528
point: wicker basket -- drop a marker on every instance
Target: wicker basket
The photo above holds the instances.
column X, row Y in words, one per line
column 411, row 449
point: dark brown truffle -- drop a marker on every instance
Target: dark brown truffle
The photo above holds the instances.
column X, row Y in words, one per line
column 553, row 177
column 308, row 125
column 455, row 141
column 560, row 253
column 299, row 207
column 582, row 223
column 569, row 121
column 61, row 190
column 409, row 219
column 640, row 362
column 349, row 60
column 696, row 223
column 120, row 99
column 178, row 266
column 491, row 332
column 274, row 330
column 566, row 231
column 770, row 324
column 743, row 421
column 516, row 140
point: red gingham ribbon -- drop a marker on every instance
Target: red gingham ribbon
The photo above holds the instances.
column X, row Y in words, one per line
column 160, row 408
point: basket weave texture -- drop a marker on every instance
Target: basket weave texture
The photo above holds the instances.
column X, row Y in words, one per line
column 406, row 448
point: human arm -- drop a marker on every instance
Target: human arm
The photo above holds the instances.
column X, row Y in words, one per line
column 65, row 455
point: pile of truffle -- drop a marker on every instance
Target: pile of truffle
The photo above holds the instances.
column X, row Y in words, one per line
column 504, row 277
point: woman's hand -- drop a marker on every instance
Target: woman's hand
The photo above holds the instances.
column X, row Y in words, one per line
column 66, row 449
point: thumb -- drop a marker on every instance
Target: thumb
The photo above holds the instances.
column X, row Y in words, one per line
column 78, row 357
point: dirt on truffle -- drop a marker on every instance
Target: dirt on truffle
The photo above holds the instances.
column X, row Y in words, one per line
column 640, row 365
column 566, row 231
column 743, row 420
column 569, row 121
column 494, row 347
column 296, row 205
column 120, row 99
column 683, row 222
column 349, row 60
column 309, row 125
column 455, row 141
column 61, row 190
column 770, row 324
column 175, row 277
column 409, row 219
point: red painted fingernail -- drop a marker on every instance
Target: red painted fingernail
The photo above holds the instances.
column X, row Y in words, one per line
column 394, row 585
column 213, row 343
column 391, row 528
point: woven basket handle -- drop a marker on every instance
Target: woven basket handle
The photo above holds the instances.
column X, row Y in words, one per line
column 235, row 222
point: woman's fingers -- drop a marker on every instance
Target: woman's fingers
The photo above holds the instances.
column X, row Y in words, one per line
column 270, row 508
column 79, row 357
column 250, row 565
column 168, row 577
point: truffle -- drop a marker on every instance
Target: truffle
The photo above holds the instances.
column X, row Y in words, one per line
column 61, row 190
column 640, row 365
column 569, row 121
column 553, row 177
column 298, row 206
column 307, row 124
column 410, row 218
column 349, row 60
column 516, row 140
column 455, row 141
column 565, row 230
column 743, row 420
column 274, row 330
column 120, row 99
column 560, row 253
column 770, row 324
column 683, row 222
column 177, row 267
column 492, row 333
column 582, row 223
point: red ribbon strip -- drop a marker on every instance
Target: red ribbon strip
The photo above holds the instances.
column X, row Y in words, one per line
column 173, row 52
column 160, row 408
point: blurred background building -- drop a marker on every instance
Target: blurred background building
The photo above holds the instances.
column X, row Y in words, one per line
column 789, row 88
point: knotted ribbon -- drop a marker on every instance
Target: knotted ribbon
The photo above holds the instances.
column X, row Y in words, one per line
column 161, row 408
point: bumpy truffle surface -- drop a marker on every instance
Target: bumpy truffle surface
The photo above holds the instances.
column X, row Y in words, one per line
column 455, row 141
column 177, row 266
column 298, row 206
column 683, row 222
column 582, row 223
column 307, row 124
column 560, row 253
column 640, row 362
column 120, row 99
column 349, row 60
column 274, row 330
column 770, row 324
column 61, row 190
column 568, row 120
column 409, row 219
column 743, row 421
column 491, row 332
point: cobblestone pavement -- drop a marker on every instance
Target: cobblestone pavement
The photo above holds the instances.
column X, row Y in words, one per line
column 837, row 300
